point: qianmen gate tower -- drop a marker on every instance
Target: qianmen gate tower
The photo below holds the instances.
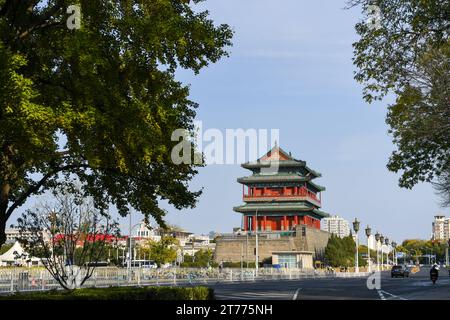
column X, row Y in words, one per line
column 281, row 199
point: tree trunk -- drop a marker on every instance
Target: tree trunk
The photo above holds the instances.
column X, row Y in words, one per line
column 2, row 228
column 4, row 193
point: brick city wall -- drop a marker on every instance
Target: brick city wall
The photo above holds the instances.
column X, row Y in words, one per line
column 242, row 247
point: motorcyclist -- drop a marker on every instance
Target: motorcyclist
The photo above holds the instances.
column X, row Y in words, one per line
column 434, row 273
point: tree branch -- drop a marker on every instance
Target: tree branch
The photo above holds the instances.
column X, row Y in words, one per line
column 34, row 188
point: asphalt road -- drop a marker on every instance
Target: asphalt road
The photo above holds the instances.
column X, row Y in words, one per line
column 417, row 286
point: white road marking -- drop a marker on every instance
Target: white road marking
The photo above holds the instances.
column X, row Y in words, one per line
column 381, row 295
column 296, row 294
column 382, row 292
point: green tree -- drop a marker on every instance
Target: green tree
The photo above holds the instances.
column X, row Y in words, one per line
column 163, row 251
column 100, row 103
column 5, row 248
column 202, row 258
column 340, row 252
column 408, row 55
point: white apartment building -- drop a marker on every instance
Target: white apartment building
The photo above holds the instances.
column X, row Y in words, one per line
column 143, row 232
column 336, row 225
column 440, row 228
column 12, row 234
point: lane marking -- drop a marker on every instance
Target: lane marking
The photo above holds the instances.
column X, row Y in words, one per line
column 296, row 294
column 381, row 292
column 381, row 295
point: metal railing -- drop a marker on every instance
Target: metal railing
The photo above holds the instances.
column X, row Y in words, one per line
column 38, row 279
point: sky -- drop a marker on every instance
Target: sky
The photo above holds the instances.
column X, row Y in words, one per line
column 290, row 68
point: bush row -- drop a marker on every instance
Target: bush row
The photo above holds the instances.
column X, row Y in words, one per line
column 119, row 293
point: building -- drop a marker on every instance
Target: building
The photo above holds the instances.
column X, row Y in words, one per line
column 440, row 228
column 13, row 233
column 280, row 215
column 143, row 233
column 196, row 243
column 336, row 225
column 280, row 200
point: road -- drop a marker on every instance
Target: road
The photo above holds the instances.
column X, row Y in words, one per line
column 417, row 286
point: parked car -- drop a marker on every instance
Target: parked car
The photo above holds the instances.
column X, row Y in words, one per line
column 399, row 271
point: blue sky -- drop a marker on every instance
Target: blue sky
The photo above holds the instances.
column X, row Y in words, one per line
column 290, row 69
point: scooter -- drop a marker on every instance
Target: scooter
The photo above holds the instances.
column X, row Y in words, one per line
column 434, row 274
column 434, row 277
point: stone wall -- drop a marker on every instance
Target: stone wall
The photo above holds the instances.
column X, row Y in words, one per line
column 233, row 249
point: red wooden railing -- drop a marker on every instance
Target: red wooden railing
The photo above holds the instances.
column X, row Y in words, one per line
column 301, row 192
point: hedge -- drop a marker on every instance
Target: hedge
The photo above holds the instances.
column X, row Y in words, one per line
column 119, row 293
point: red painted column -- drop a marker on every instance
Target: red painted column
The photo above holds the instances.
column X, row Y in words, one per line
column 264, row 223
column 296, row 220
column 254, row 223
column 245, row 223
column 285, row 223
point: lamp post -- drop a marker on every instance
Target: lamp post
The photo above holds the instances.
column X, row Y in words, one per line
column 129, row 248
column 386, row 241
column 377, row 238
column 381, row 249
column 356, row 228
column 394, row 253
column 256, row 244
column 368, row 231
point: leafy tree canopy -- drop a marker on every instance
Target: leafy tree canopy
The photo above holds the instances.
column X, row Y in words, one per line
column 340, row 252
column 100, row 103
column 162, row 252
column 407, row 54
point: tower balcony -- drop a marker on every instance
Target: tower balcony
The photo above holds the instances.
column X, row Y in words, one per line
column 281, row 194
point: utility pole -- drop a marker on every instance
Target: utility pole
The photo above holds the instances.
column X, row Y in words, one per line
column 446, row 253
column 356, row 228
column 129, row 248
column 256, row 240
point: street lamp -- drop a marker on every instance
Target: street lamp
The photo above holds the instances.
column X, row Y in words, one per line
column 256, row 245
column 394, row 254
column 368, row 231
column 381, row 249
column 377, row 238
column 356, row 228
column 386, row 241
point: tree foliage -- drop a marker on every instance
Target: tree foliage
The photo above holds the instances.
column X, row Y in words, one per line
column 408, row 55
column 340, row 252
column 100, row 103
column 162, row 252
column 202, row 258
column 415, row 248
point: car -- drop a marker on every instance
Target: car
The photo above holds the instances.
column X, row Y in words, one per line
column 399, row 271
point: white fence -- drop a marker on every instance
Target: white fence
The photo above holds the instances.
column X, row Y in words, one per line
column 36, row 279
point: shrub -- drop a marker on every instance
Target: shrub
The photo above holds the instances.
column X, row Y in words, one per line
column 119, row 293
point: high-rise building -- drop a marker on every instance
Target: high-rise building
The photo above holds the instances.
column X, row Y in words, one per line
column 440, row 228
column 336, row 225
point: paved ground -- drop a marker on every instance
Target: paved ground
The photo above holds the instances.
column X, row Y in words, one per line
column 417, row 286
